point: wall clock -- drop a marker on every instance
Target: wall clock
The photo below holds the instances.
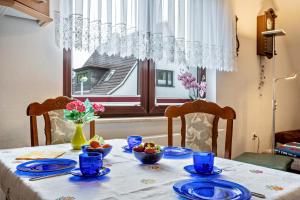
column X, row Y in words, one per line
column 265, row 22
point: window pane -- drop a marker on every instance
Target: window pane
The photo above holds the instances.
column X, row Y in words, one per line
column 174, row 92
column 112, row 80
column 170, row 78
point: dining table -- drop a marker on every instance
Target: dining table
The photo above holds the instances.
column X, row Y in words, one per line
column 130, row 180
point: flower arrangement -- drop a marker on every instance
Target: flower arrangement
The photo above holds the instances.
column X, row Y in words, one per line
column 80, row 112
column 190, row 83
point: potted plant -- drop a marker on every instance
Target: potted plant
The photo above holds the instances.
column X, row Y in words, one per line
column 196, row 90
column 81, row 113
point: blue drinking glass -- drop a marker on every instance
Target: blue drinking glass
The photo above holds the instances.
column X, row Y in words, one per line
column 204, row 162
column 90, row 163
column 134, row 140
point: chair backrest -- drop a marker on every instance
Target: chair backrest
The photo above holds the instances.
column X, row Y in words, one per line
column 38, row 109
column 200, row 106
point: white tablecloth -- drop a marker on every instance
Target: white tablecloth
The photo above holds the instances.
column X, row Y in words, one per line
column 130, row 180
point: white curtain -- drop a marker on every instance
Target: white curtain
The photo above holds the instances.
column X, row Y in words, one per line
column 174, row 32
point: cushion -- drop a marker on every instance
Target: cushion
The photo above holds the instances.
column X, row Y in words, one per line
column 287, row 136
column 199, row 131
column 266, row 160
column 61, row 129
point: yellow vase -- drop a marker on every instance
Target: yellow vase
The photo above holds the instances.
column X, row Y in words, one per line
column 78, row 138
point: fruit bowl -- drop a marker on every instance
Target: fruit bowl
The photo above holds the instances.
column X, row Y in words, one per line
column 103, row 151
column 146, row 158
column 148, row 153
column 97, row 144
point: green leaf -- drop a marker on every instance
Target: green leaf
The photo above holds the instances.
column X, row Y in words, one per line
column 192, row 98
column 88, row 106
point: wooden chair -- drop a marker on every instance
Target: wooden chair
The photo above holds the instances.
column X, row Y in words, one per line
column 200, row 106
column 36, row 109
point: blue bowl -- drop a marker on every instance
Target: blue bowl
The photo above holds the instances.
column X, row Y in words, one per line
column 147, row 158
column 103, row 151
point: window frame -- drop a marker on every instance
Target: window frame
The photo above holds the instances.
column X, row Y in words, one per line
column 146, row 91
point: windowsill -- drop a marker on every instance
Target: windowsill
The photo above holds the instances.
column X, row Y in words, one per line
column 132, row 120
column 140, row 119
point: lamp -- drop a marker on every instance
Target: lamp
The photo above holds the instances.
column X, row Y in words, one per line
column 274, row 104
column 273, row 34
column 82, row 80
column 290, row 77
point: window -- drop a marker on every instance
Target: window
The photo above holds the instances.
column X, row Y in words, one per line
column 110, row 74
column 126, row 86
column 80, row 76
column 164, row 78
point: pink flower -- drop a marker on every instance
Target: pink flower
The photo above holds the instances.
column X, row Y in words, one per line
column 201, row 92
column 81, row 108
column 194, row 84
column 71, row 106
column 98, row 107
column 202, row 86
column 76, row 105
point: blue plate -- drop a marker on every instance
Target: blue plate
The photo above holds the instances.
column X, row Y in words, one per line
column 177, row 151
column 103, row 171
column 190, row 169
column 47, row 165
column 127, row 149
column 205, row 189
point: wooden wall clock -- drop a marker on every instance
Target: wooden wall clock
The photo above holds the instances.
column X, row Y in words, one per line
column 265, row 22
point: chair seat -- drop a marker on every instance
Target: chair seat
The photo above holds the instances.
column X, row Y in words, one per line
column 278, row 162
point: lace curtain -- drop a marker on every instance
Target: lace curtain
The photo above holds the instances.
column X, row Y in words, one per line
column 183, row 33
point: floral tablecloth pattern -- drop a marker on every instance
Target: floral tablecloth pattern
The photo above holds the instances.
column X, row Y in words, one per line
column 131, row 180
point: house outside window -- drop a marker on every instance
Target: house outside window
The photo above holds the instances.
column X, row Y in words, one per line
column 126, row 86
column 164, row 78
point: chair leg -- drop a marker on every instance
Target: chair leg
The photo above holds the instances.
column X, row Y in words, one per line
column 92, row 128
column 170, row 132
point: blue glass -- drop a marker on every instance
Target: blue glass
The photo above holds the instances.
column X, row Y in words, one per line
column 47, row 165
column 134, row 140
column 103, row 151
column 103, row 171
column 211, row 189
column 203, row 162
column 90, row 163
column 191, row 169
column 177, row 151
column 127, row 149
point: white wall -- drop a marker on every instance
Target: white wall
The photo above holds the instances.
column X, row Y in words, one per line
column 240, row 89
column 31, row 70
column 130, row 85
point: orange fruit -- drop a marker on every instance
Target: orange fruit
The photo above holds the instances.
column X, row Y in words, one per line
column 94, row 144
column 105, row 146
